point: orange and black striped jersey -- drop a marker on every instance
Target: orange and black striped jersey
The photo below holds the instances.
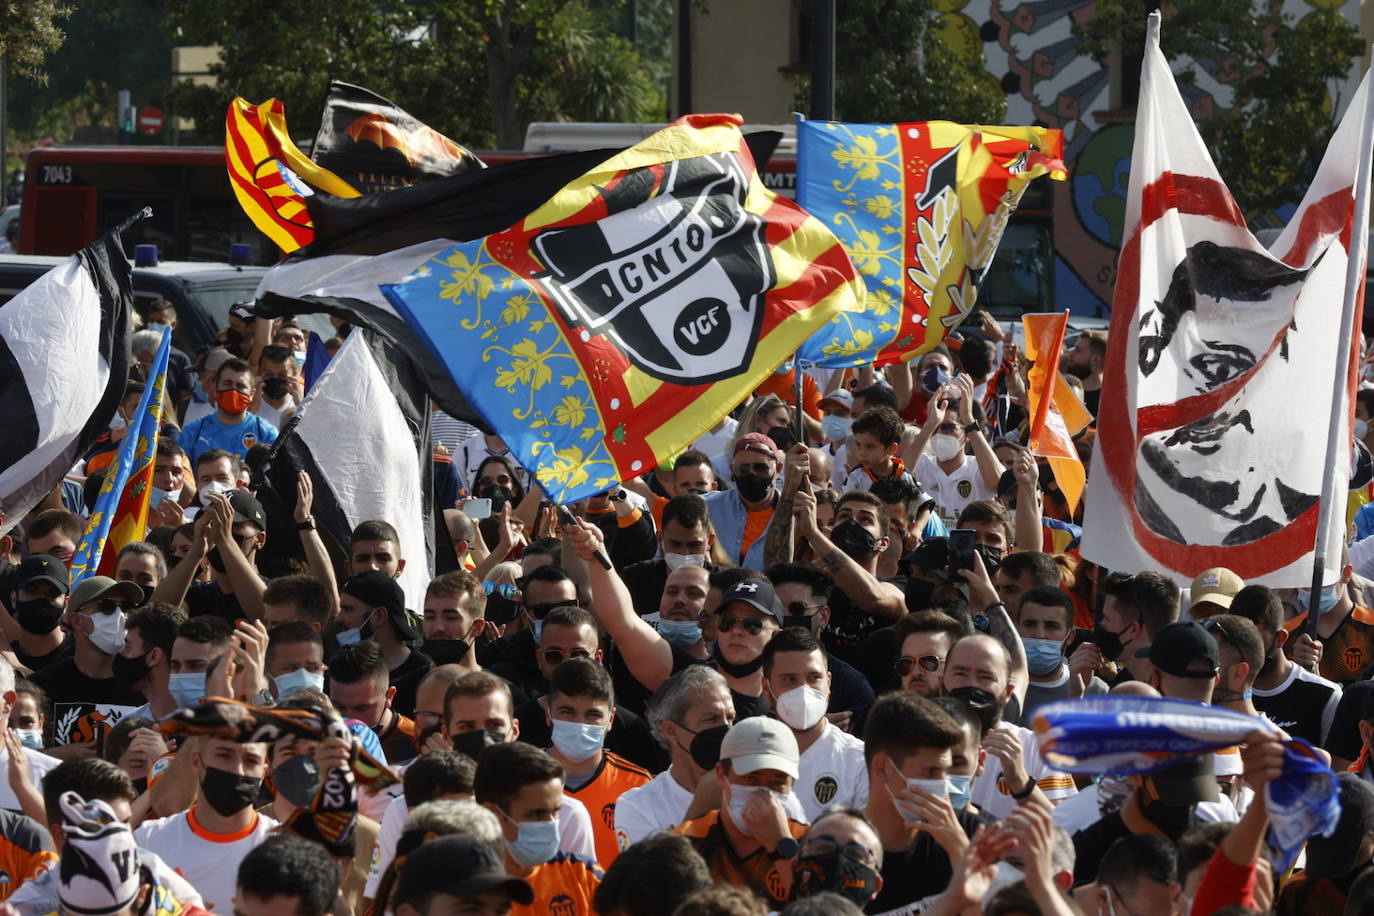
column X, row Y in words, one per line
column 613, row 778
column 26, row 851
column 563, row 886
column 758, row 871
column 1346, row 652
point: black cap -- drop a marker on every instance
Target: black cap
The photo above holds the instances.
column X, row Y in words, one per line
column 43, row 568
column 1178, row 645
column 243, row 311
column 1188, row 782
column 377, row 589
column 756, row 593
column 930, row 556
column 460, row 865
column 1334, row 856
column 247, row 508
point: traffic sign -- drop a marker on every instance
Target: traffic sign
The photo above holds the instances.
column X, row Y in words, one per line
column 150, row 121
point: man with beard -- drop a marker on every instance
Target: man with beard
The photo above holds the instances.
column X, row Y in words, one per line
column 41, row 584
column 804, row 593
column 1287, row 693
column 744, row 516
column 977, row 671
column 685, row 539
column 1086, row 360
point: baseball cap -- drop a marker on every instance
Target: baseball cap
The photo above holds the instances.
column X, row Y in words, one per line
column 97, row 587
column 1191, row 780
column 247, row 508
column 243, row 311
column 460, row 865
column 840, row 397
column 757, row 594
column 1217, row 585
column 1334, row 856
column 212, row 359
column 931, row 556
column 757, row 444
column 760, row 743
column 43, row 568
column 377, row 589
column 1176, row 647
column 100, row 869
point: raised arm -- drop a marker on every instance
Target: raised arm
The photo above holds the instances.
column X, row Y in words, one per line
column 172, row 589
column 779, row 542
column 935, row 415
column 1029, row 522
column 243, row 578
column 881, row 599
column 988, row 466
column 646, row 653
column 321, row 567
column 982, row 599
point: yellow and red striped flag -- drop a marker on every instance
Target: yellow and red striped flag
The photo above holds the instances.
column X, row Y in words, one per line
column 1057, row 415
column 271, row 177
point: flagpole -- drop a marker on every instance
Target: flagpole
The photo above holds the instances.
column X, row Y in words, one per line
column 1354, row 281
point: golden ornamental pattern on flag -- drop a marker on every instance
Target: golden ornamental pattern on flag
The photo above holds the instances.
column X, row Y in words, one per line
column 920, row 208
column 608, row 329
column 271, row 177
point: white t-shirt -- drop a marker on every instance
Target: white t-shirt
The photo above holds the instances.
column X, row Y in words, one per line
column 993, row 796
column 951, row 492
column 39, row 765
column 660, row 804
column 209, row 861
column 832, row 772
column 1083, row 810
column 38, row 896
column 273, row 414
column 384, row 850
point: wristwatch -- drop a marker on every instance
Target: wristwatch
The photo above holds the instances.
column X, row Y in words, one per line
column 1025, row 793
column 972, row 428
column 786, row 848
column 307, row 525
column 618, row 496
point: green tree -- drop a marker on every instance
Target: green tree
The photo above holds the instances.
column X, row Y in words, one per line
column 896, row 64
column 1269, row 143
column 29, row 33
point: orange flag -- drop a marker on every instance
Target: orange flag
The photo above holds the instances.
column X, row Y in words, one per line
column 1056, row 418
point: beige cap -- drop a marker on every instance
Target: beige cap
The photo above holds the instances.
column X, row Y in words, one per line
column 760, row 743
column 1217, row 585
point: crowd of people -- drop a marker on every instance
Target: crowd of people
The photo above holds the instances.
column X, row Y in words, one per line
column 794, row 669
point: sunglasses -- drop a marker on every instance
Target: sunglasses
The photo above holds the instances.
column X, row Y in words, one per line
column 555, row 657
column 498, row 479
column 540, row 611
column 1217, row 628
column 802, row 609
column 726, row 622
column 853, row 852
column 504, row 589
column 929, row 663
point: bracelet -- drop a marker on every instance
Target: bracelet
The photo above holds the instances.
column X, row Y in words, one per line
column 307, row 525
column 1026, row 792
column 1001, row 604
column 972, row 428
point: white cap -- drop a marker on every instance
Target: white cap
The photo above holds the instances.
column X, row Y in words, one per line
column 760, row 743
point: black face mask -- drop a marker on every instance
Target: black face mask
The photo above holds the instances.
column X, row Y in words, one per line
column 233, row 341
column 1174, row 820
column 1109, row 642
column 474, row 742
column 501, row 610
column 274, row 388
column 753, row 488
column 297, row 780
column 831, row 871
column 992, row 557
column 853, row 541
column 705, row 748
column 129, row 671
column 446, row 651
column 214, row 559
column 744, row 669
column 806, row 623
column 38, row 615
column 227, row 792
column 499, row 497
column 920, row 595
column 983, row 704
column 140, row 786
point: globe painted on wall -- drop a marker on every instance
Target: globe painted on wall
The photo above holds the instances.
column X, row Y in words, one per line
column 1100, row 176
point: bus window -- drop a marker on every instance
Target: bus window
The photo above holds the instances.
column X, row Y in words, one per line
column 1019, row 280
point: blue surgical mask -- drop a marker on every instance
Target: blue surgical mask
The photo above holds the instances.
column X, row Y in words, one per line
column 198, row 390
column 31, row 738
column 158, row 495
column 538, row 627
column 1330, row 597
column 960, row 788
column 835, row 428
column 576, row 741
column 535, row 843
column 300, row 356
column 187, row 687
column 349, row 637
column 295, row 681
column 154, row 326
column 1043, row 656
column 680, row 632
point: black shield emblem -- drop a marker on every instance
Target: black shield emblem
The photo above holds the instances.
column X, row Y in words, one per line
column 676, row 274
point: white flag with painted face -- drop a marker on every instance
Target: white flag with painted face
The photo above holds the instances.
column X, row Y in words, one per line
column 1221, row 359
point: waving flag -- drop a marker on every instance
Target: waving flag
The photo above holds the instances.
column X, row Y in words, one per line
column 375, row 145
column 270, row 177
column 1057, row 414
column 1216, row 397
column 121, row 508
column 613, row 325
column 920, row 208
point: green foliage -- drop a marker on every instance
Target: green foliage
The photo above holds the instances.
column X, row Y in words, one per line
column 895, row 65
column 1269, row 144
column 29, row 33
column 586, row 74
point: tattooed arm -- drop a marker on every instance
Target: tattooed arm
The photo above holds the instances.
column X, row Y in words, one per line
column 881, row 599
column 778, row 541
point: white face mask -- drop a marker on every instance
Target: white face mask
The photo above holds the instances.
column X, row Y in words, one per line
column 801, row 707
column 679, row 560
column 1361, row 428
column 159, row 494
column 108, row 633
column 943, row 447
column 214, row 486
column 117, row 422
column 934, row 786
column 739, row 799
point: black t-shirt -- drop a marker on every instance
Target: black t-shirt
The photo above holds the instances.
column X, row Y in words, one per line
column 629, row 736
column 84, row 707
column 849, row 626
column 1298, row 709
column 1092, row 399
column 1344, row 738
column 512, row 657
column 849, row 690
column 205, row 598
column 406, row 679
column 913, row 877
column 36, row 663
column 1092, row 842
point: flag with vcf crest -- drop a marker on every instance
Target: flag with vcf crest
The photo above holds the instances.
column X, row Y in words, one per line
column 614, row 324
column 921, row 208
column 121, row 508
column 1212, row 428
